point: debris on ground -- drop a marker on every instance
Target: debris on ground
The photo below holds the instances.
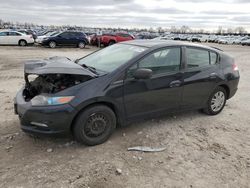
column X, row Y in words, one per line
column 49, row 150
column 8, row 148
column 118, row 171
column 146, row 149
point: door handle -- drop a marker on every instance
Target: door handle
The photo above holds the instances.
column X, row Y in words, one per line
column 175, row 83
column 213, row 76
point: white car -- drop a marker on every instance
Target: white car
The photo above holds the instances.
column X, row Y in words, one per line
column 15, row 38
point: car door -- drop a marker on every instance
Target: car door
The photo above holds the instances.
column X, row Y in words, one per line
column 159, row 93
column 121, row 37
column 14, row 38
column 74, row 38
column 4, row 39
column 63, row 39
column 200, row 76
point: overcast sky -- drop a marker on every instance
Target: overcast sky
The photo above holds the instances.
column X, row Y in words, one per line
column 207, row 14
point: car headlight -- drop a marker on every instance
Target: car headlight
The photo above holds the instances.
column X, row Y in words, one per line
column 41, row 100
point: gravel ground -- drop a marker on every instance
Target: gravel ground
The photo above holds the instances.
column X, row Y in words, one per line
column 202, row 151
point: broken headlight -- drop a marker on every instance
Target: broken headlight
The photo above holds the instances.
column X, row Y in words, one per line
column 41, row 100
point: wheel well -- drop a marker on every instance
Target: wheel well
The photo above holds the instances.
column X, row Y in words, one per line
column 112, row 40
column 227, row 89
column 110, row 105
column 22, row 40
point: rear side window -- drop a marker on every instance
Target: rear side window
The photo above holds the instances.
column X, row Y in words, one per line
column 213, row 58
column 66, row 34
column 14, row 34
column 197, row 58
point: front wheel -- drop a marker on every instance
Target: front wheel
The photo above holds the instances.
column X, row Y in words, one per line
column 52, row 44
column 216, row 101
column 94, row 125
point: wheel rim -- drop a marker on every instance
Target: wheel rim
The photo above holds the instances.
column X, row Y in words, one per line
column 22, row 43
column 96, row 125
column 217, row 101
column 52, row 45
column 81, row 45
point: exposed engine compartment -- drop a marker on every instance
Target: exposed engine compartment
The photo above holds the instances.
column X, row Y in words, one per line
column 51, row 83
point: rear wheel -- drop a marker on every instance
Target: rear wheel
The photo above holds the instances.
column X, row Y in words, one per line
column 52, row 44
column 81, row 45
column 94, row 125
column 22, row 43
column 216, row 101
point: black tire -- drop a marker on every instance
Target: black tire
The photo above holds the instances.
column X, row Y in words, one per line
column 111, row 42
column 210, row 109
column 88, row 122
column 22, row 43
column 52, row 44
column 81, row 45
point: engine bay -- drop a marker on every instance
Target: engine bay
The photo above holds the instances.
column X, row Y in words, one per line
column 50, row 84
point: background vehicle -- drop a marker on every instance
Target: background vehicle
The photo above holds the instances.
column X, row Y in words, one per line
column 110, row 39
column 49, row 34
column 28, row 32
column 66, row 38
column 15, row 38
column 245, row 42
column 142, row 79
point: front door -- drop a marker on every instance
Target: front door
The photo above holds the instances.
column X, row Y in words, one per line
column 4, row 38
column 159, row 93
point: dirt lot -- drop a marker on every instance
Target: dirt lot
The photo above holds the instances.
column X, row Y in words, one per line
column 202, row 151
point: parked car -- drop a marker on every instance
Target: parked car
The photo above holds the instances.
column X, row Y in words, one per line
column 121, row 83
column 110, row 39
column 245, row 42
column 15, row 38
column 28, row 32
column 66, row 38
column 40, row 39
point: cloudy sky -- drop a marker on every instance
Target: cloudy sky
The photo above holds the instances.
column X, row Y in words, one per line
column 207, row 14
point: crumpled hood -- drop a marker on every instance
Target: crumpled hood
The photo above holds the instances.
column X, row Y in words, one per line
column 55, row 65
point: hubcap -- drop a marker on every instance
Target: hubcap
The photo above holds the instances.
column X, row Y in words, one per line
column 217, row 101
column 22, row 43
column 52, row 45
column 81, row 45
column 96, row 125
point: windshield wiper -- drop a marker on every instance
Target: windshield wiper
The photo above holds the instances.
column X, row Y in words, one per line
column 92, row 69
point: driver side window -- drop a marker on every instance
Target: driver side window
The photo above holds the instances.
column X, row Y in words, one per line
column 163, row 61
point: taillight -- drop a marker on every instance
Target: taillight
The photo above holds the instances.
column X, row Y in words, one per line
column 235, row 67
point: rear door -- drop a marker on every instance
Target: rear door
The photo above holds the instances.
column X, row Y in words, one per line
column 73, row 38
column 123, row 37
column 64, row 38
column 4, row 39
column 200, row 77
column 14, row 38
column 159, row 93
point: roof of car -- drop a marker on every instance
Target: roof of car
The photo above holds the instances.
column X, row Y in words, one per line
column 163, row 43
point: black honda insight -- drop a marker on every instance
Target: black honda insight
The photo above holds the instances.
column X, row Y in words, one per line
column 91, row 96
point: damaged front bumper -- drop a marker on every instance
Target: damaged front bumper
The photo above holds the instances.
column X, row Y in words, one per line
column 46, row 120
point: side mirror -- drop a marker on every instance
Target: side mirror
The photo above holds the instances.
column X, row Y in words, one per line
column 142, row 74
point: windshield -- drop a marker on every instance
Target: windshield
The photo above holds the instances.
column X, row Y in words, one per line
column 112, row 57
